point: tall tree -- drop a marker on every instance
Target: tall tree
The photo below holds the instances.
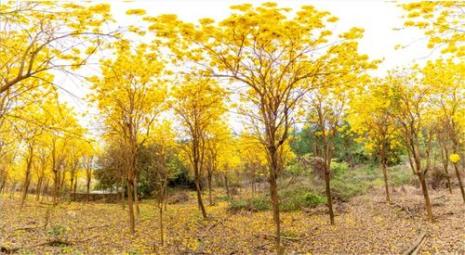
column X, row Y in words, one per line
column 370, row 117
column 130, row 95
column 274, row 52
column 199, row 104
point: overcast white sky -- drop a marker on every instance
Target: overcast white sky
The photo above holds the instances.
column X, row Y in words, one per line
column 378, row 18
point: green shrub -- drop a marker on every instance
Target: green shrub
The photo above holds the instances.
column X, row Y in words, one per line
column 339, row 168
column 300, row 198
column 399, row 176
column 345, row 189
column 260, row 203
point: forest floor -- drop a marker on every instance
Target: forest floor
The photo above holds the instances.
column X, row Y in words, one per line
column 364, row 225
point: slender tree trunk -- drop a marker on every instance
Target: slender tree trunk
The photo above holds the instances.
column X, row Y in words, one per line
column 328, row 195
column 136, row 197
column 424, row 188
column 386, row 182
column 132, row 224
column 226, row 186
column 276, row 218
column 199, row 195
column 27, row 181
column 459, row 178
column 55, row 187
column 39, row 187
column 210, row 198
column 2, row 186
column 160, row 211
column 446, row 170
column 273, row 176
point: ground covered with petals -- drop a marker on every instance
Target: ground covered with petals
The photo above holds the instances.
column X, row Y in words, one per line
column 364, row 225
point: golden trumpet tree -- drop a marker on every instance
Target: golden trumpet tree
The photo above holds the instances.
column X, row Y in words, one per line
column 445, row 78
column 218, row 139
column 199, row 104
column 275, row 52
column 370, row 117
column 411, row 109
column 130, row 95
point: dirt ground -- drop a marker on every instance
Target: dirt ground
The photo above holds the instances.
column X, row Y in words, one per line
column 365, row 225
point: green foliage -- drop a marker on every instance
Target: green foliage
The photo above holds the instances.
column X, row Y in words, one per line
column 299, row 198
column 339, row 168
column 401, row 175
column 260, row 203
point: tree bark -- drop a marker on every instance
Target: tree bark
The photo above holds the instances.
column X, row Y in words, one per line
column 328, row 195
column 424, row 188
column 136, row 197
column 39, row 187
column 160, row 210
column 226, row 186
column 459, row 178
column 199, row 196
column 276, row 218
column 210, row 198
column 132, row 224
column 386, row 182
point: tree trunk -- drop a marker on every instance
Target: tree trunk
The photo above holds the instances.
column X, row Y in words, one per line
column 226, row 186
column 446, row 170
column 210, row 198
column 276, row 218
column 55, row 187
column 160, row 210
column 386, row 182
column 424, row 188
column 199, row 195
column 459, row 178
column 39, row 187
column 328, row 195
column 27, row 181
column 136, row 197
column 132, row 225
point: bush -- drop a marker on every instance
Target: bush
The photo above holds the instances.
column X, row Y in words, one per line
column 297, row 199
column 256, row 204
column 344, row 190
column 399, row 176
column 339, row 168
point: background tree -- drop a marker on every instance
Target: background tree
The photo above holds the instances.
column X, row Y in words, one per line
column 411, row 108
column 445, row 78
column 130, row 95
column 370, row 117
column 199, row 104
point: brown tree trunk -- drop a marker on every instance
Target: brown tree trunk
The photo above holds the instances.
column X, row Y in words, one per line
column 27, row 178
column 276, row 218
column 226, row 186
column 136, row 197
column 27, row 181
column 55, row 187
column 132, row 224
column 199, row 195
column 424, row 188
column 459, row 178
column 328, row 195
column 210, row 198
column 39, row 187
column 446, row 170
column 386, row 182
column 160, row 211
